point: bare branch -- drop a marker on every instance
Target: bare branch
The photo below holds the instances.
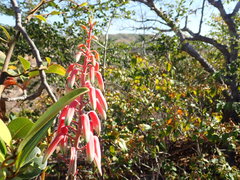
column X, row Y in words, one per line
column 197, row 37
column 25, row 97
column 226, row 17
column 149, row 20
column 191, row 51
column 33, row 47
column 236, row 9
column 201, row 20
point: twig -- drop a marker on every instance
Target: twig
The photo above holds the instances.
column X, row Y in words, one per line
column 201, row 20
column 35, row 51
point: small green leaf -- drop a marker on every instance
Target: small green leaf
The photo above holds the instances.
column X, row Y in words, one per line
column 48, row 59
column 41, row 126
column 41, row 18
column 6, row 33
column 25, row 63
column 57, row 69
column 83, row 4
column 33, row 73
column 19, row 127
column 55, row 13
column 5, row 134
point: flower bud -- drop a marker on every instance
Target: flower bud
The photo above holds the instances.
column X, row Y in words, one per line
column 101, row 112
column 99, row 80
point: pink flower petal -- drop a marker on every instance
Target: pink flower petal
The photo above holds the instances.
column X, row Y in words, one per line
column 71, row 111
column 97, row 157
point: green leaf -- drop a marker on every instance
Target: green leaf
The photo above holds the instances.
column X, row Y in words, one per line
column 83, row 4
column 41, row 18
column 33, row 73
column 57, row 69
column 55, row 13
column 5, row 134
column 6, row 33
column 3, row 148
column 48, row 59
column 41, row 126
column 19, row 127
column 25, row 63
column 2, row 157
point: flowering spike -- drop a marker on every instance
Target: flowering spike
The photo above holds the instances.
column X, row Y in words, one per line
column 53, row 146
column 101, row 112
column 96, row 124
column 97, row 157
column 70, row 113
column 92, row 74
column 90, row 150
column 100, row 80
column 85, row 127
column 92, row 97
column 101, row 99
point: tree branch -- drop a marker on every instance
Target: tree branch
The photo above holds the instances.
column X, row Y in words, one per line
column 236, row 9
column 201, row 20
column 33, row 47
column 25, row 97
column 226, row 17
column 197, row 37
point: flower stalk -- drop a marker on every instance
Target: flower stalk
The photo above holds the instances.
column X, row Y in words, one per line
column 78, row 123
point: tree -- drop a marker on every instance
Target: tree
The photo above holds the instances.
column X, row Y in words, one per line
column 228, row 49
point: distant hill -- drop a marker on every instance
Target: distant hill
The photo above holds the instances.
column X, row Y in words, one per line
column 127, row 38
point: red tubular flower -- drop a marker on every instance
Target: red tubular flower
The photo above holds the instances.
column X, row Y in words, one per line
column 90, row 150
column 96, row 66
column 61, row 118
column 71, row 79
column 92, row 74
column 53, row 146
column 92, row 97
column 85, row 127
column 97, row 157
column 73, row 162
column 100, row 80
column 101, row 111
column 78, row 56
column 70, row 113
column 101, row 99
column 69, row 70
column 96, row 124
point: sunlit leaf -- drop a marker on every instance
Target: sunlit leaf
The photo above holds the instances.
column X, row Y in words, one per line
column 41, row 18
column 57, row 69
column 25, row 63
column 6, row 33
column 48, row 59
column 5, row 134
column 19, row 127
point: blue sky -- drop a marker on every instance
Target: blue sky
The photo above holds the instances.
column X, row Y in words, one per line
column 128, row 26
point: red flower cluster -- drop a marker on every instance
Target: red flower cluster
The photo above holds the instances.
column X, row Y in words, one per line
column 79, row 120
